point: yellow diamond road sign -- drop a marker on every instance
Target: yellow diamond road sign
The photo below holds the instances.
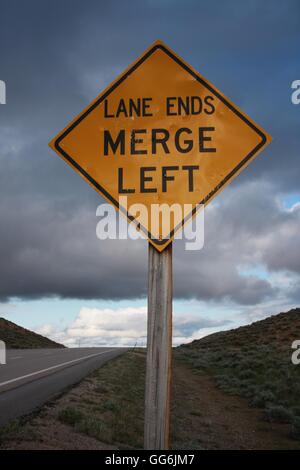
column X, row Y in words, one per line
column 160, row 135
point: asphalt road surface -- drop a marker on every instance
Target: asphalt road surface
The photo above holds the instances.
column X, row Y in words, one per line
column 31, row 377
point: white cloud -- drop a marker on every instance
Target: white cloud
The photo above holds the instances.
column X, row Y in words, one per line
column 109, row 324
column 126, row 327
column 46, row 330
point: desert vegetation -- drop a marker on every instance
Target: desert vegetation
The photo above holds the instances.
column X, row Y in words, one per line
column 254, row 362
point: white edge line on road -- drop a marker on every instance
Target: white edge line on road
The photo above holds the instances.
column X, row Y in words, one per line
column 53, row 367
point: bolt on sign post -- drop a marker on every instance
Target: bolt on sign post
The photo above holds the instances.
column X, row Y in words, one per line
column 160, row 135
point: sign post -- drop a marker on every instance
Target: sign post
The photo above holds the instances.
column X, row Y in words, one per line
column 160, row 136
column 159, row 349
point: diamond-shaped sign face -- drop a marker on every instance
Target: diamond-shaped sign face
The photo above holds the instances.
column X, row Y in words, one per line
column 159, row 142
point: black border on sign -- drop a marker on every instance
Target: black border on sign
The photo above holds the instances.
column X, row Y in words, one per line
column 109, row 91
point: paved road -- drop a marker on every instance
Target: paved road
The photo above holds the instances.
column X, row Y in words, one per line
column 33, row 376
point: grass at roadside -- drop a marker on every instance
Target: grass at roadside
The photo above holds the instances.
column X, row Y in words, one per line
column 106, row 406
column 106, row 411
column 254, row 362
column 112, row 410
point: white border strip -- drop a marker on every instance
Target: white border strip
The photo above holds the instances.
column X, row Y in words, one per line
column 53, row 367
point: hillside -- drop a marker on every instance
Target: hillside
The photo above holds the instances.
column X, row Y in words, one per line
column 231, row 390
column 16, row 337
column 254, row 362
column 277, row 331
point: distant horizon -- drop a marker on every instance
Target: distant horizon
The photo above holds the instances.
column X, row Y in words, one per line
column 144, row 345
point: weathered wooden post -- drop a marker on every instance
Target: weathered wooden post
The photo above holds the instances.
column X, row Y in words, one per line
column 159, row 349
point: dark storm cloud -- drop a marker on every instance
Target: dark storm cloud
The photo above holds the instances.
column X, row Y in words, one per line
column 50, row 252
column 57, row 55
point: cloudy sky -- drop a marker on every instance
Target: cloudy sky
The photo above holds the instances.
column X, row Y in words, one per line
column 56, row 277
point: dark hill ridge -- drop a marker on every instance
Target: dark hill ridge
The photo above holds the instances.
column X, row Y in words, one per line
column 277, row 330
column 16, row 337
column 255, row 363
